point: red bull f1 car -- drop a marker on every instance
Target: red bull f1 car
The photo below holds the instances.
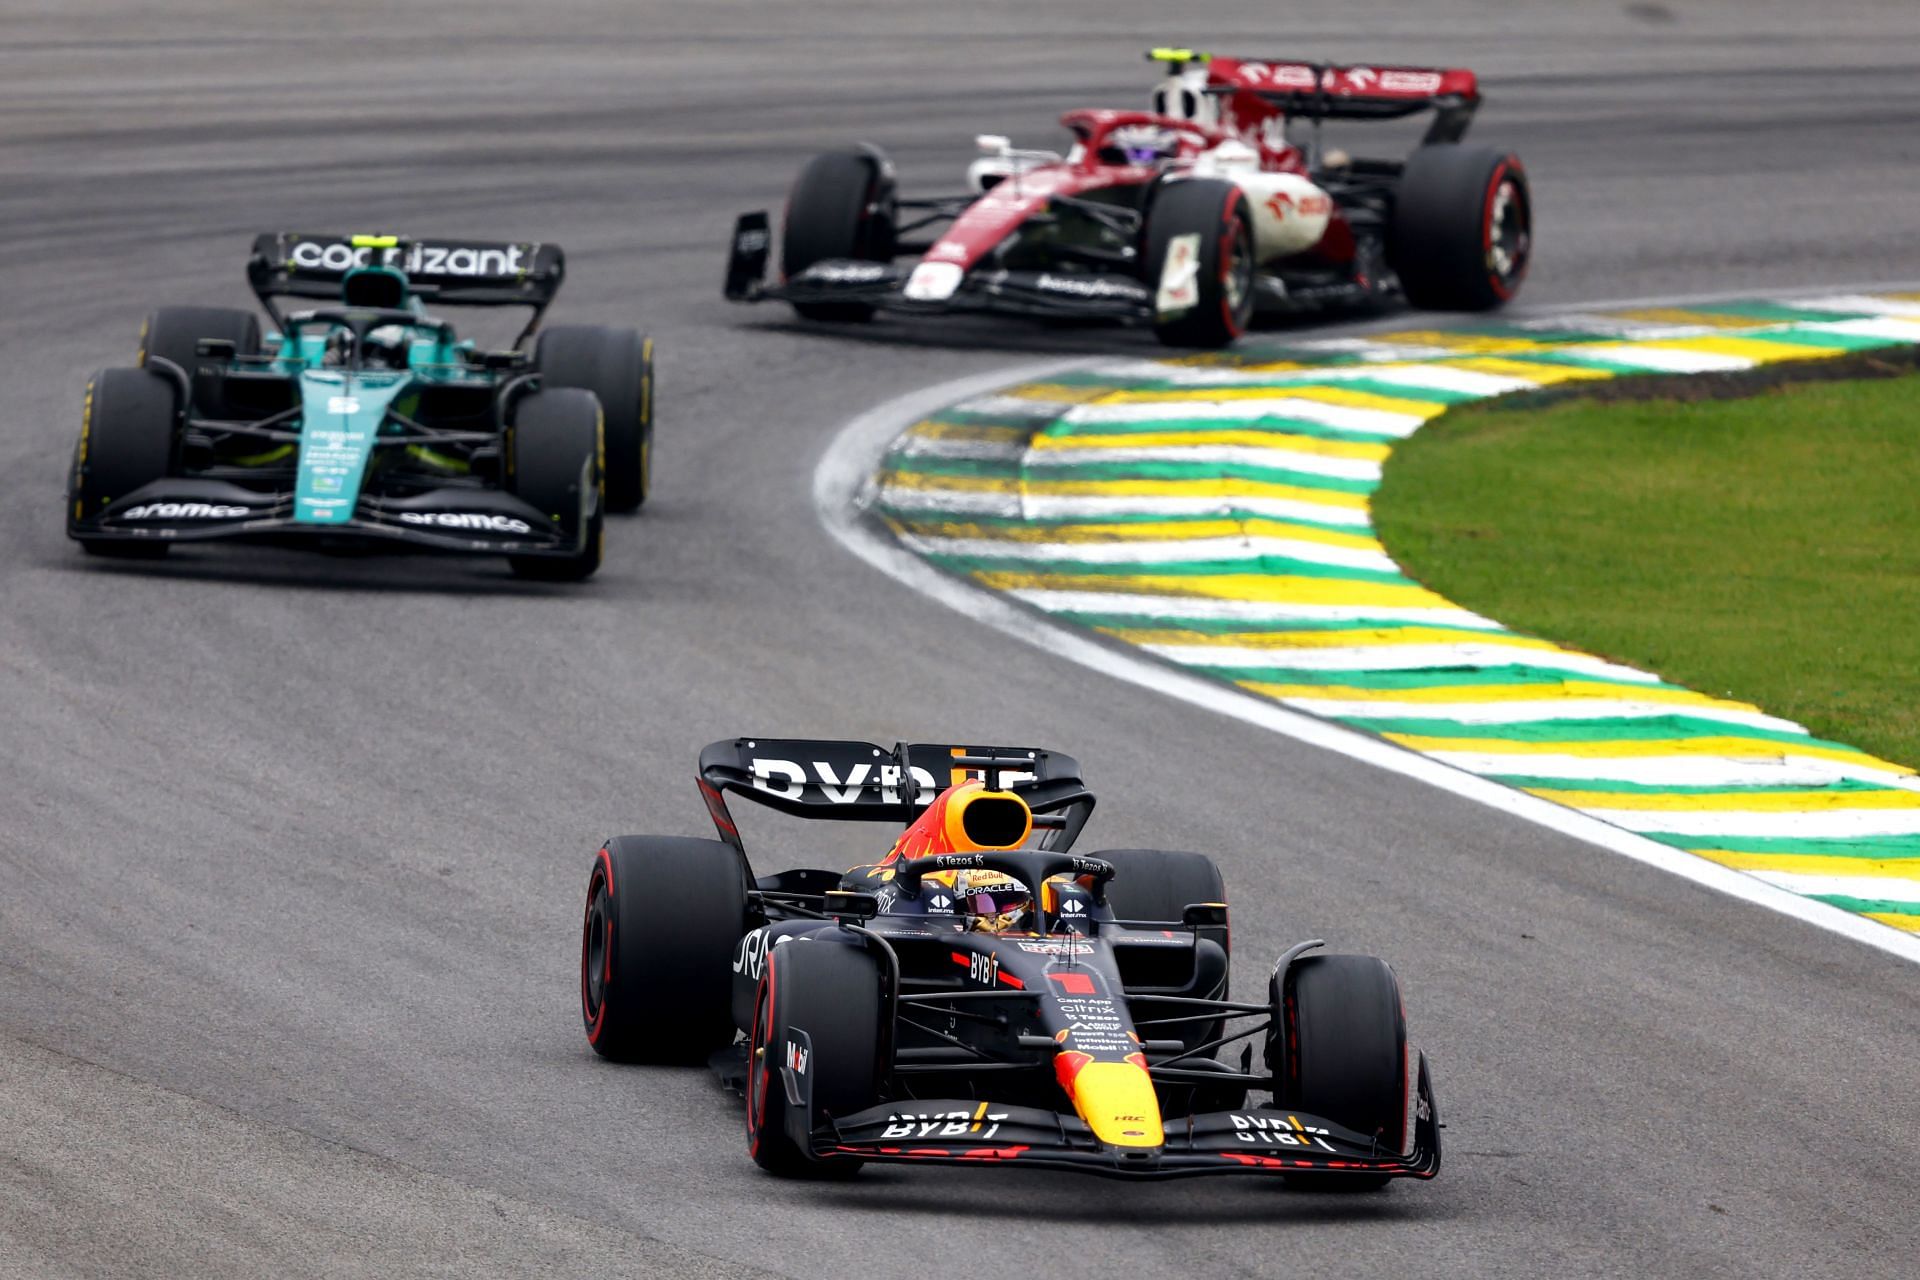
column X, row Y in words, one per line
column 981, row 995
column 1189, row 217
column 366, row 421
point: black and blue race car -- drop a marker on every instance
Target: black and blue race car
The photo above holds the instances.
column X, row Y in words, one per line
column 367, row 421
column 980, row 995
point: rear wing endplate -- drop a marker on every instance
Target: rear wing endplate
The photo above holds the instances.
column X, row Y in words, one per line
column 863, row 782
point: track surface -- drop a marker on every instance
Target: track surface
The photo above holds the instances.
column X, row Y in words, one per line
column 291, row 848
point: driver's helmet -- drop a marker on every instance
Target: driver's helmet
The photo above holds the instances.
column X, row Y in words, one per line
column 387, row 347
column 1140, row 144
column 338, row 351
column 992, row 901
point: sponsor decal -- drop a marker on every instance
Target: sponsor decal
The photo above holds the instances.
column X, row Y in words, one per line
column 982, row 967
column 947, row 251
column 182, row 511
column 1276, row 1131
column 944, row 1124
column 1087, row 286
column 1180, row 277
column 1421, row 1110
column 940, row 902
column 750, row 956
column 342, row 404
column 1072, row 907
column 795, row 780
column 934, row 281
column 1410, row 81
column 414, row 259
column 846, row 272
column 1055, row 947
column 1315, row 204
column 752, row 240
column 1286, row 75
column 479, row 520
column 797, row 1056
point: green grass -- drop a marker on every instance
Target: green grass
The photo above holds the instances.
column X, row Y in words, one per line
column 1766, row 549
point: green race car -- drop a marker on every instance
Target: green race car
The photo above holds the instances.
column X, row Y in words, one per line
column 368, row 421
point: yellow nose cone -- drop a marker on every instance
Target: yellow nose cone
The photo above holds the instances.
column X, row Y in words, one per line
column 1117, row 1101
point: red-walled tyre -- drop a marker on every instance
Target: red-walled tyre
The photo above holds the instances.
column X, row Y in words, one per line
column 1462, row 231
column 664, row 914
column 1198, row 259
column 819, row 1013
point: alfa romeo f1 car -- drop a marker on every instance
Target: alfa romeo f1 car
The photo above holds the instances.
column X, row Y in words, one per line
column 367, row 422
column 1190, row 217
column 982, row 995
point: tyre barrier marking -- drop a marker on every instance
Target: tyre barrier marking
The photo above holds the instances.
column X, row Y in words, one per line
column 1214, row 511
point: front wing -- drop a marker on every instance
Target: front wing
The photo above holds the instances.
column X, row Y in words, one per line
column 461, row 520
column 970, row 1132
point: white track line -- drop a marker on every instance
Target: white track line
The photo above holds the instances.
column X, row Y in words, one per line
column 841, row 484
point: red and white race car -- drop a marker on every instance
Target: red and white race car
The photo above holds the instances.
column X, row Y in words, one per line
column 1190, row 216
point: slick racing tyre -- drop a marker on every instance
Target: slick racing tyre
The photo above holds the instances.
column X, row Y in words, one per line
column 1462, row 230
column 1338, row 1049
column 617, row 366
column 1158, row 884
column 175, row 333
column 830, row 993
column 841, row 206
column 1198, row 259
column 555, row 451
column 129, row 432
column 664, row 914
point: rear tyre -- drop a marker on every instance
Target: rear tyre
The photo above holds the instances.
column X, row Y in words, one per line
column 1205, row 226
column 617, row 366
column 841, row 206
column 664, row 914
column 555, row 448
column 1158, row 884
column 832, row 992
column 1338, row 1049
column 129, row 433
column 1462, row 231
column 175, row 333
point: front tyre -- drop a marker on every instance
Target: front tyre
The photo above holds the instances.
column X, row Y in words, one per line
column 617, row 366
column 1198, row 259
column 663, row 916
column 555, row 449
column 831, row 991
column 1462, row 231
column 129, row 434
column 1338, row 1049
column 841, row 206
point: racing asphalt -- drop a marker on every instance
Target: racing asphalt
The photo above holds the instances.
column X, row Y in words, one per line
column 292, row 848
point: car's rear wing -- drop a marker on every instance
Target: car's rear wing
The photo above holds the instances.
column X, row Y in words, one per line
column 481, row 273
column 862, row 782
column 1328, row 91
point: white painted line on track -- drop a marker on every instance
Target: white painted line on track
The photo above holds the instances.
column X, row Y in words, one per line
column 842, row 483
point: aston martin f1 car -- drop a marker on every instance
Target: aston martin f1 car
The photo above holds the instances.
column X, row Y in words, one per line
column 368, row 422
column 980, row 995
column 1189, row 217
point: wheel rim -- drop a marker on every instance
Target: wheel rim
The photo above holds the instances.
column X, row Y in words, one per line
column 596, row 953
column 1508, row 234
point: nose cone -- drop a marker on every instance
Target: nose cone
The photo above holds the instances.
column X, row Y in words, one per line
column 1116, row 1100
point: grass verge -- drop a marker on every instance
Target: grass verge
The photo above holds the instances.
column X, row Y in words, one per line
column 1765, row 549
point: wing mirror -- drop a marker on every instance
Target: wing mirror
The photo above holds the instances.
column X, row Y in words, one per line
column 1204, row 915
column 851, row 904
